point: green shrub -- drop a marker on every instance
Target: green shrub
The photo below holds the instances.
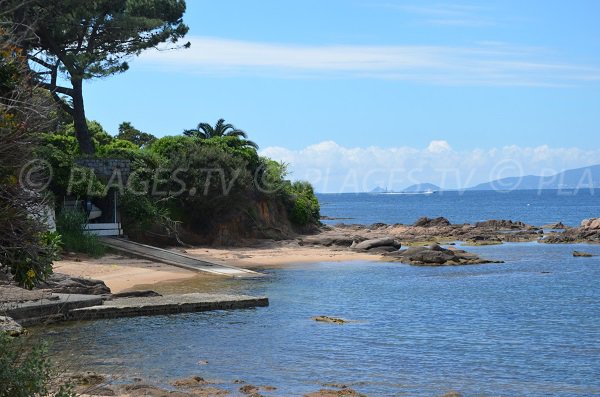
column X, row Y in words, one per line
column 305, row 208
column 71, row 226
column 26, row 371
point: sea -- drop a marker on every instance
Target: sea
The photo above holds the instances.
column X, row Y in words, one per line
column 527, row 327
column 535, row 207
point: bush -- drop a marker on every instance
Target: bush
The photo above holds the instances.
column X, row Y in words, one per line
column 26, row 371
column 305, row 207
column 71, row 226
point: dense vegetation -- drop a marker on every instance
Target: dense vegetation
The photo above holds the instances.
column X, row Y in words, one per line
column 81, row 40
column 190, row 185
column 206, row 185
column 26, row 249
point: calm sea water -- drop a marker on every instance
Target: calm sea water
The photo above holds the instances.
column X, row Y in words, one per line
column 537, row 207
column 527, row 327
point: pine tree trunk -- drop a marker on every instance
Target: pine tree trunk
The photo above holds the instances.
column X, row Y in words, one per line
column 81, row 128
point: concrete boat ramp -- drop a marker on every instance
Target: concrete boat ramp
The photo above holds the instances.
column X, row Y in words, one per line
column 175, row 258
column 73, row 307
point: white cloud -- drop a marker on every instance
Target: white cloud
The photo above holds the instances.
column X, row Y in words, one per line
column 335, row 168
column 439, row 147
column 484, row 64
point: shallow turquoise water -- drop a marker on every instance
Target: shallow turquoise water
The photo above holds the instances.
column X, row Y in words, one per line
column 528, row 327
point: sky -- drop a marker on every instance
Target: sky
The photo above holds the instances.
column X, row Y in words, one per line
column 355, row 94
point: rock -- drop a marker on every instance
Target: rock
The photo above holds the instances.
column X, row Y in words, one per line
column 582, row 254
column 341, row 240
column 502, row 224
column 10, row 326
column 331, row 320
column 141, row 390
column 249, row 389
column 425, row 255
column 428, row 222
column 435, row 255
column 592, row 223
column 135, row 294
column 555, row 226
column 452, row 393
column 378, row 242
column 383, row 249
column 64, row 284
column 97, row 391
column 347, row 392
column 193, row 381
column 87, row 378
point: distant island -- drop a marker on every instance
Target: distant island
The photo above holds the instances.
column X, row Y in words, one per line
column 579, row 178
column 417, row 188
column 422, row 188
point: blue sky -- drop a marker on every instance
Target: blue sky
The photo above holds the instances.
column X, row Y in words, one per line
column 379, row 83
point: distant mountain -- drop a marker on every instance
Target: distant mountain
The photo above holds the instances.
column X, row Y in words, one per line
column 580, row 178
column 422, row 187
column 378, row 189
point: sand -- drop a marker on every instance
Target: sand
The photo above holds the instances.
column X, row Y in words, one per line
column 121, row 273
column 278, row 255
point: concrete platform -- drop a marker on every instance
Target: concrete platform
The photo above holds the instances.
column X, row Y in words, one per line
column 169, row 304
column 175, row 258
column 52, row 308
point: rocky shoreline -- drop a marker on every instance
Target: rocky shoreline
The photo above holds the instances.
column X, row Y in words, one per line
column 93, row 384
column 440, row 230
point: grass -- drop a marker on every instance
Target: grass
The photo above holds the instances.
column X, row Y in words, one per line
column 71, row 226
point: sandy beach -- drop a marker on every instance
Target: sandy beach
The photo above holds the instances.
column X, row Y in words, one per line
column 121, row 273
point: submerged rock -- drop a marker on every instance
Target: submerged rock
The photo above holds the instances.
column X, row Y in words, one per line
column 193, row 381
column 332, row 320
column 452, row 393
column 345, row 392
column 582, row 254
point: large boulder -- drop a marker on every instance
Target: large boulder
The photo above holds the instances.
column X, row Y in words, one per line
column 64, row 284
column 325, row 240
column 428, row 222
column 435, row 255
column 592, row 223
column 377, row 242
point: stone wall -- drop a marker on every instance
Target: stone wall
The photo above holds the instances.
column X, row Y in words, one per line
column 105, row 168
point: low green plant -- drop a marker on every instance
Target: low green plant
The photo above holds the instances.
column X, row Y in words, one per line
column 71, row 226
column 26, row 370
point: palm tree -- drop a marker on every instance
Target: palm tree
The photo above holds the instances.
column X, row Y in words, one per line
column 221, row 129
